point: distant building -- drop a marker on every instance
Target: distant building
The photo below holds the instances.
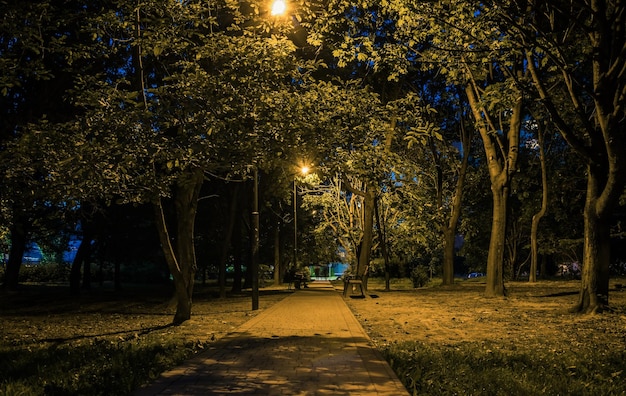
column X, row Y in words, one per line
column 33, row 254
column 327, row 271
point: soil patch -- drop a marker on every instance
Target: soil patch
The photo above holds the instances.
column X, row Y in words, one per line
column 531, row 316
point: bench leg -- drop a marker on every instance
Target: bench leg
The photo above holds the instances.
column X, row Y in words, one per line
column 347, row 285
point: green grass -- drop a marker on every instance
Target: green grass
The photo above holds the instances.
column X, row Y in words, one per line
column 106, row 342
column 564, row 354
column 97, row 367
column 472, row 369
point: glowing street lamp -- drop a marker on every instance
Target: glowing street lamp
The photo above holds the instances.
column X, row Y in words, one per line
column 278, row 7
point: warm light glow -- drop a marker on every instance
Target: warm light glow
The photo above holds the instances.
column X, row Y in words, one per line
column 304, row 170
column 279, row 7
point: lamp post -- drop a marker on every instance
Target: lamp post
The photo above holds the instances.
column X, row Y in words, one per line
column 304, row 171
column 278, row 8
column 255, row 241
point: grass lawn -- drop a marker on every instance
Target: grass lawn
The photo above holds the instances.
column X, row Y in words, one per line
column 107, row 343
column 453, row 341
column 439, row 340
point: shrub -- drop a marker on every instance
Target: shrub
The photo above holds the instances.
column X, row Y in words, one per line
column 419, row 276
column 43, row 273
column 397, row 268
column 146, row 272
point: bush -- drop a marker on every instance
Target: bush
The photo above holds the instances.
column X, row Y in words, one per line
column 143, row 272
column 43, row 273
column 397, row 268
column 419, row 276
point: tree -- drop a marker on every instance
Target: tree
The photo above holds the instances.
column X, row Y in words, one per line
column 364, row 48
column 577, row 51
column 534, row 248
column 474, row 54
column 193, row 95
column 351, row 118
column 446, row 152
column 461, row 41
column 501, row 152
column 38, row 74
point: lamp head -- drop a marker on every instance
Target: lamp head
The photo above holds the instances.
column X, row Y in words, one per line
column 279, row 7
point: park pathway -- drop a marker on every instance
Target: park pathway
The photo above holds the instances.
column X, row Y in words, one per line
column 307, row 344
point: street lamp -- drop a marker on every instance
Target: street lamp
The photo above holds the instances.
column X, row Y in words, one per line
column 278, row 7
column 304, row 170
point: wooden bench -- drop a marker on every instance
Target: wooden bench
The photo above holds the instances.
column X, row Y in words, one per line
column 350, row 283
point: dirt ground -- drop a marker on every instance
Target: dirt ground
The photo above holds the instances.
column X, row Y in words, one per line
column 531, row 316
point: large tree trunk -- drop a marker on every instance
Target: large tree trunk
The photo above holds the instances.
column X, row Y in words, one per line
column 363, row 249
column 18, row 247
column 84, row 252
column 87, row 274
column 495, row 258
column 368, row 234
column 254, row 267
column 502, row 153
column 594, row 289
column 449, row 230
column 447, row 267
column 534, row 248
column 383, row 243
column 186, row 203
column 82, row 257
column 117, row 273
column 182, row 260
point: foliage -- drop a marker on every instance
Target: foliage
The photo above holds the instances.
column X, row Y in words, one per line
column 339, row 215
column 48, row 273
column 191, row 105
column 37, row 76
column 419, row 276
column 428, row 53
column 562, row 221
column 396, row 268
column 163, row 88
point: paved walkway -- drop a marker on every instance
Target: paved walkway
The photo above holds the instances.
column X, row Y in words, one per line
column 307, row 344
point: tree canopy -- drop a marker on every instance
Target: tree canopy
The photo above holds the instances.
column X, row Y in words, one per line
column 404, row 108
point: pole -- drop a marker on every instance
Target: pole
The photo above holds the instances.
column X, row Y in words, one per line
column 295, row 225
column 255, row 242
